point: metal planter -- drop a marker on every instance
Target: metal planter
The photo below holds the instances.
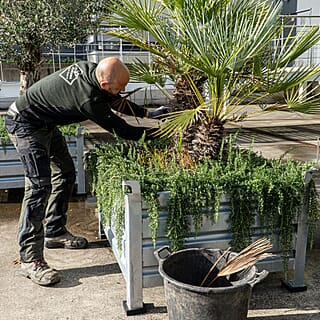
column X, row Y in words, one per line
column 140, row 267
column 11, row 170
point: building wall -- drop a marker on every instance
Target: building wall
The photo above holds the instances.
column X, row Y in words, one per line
column 289, row 6
column 314, row 5
column 305, row 7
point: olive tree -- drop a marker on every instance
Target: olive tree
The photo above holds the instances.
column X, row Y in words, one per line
column 30, row 27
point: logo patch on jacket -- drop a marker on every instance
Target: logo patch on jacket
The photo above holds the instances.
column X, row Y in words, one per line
column 71, row 74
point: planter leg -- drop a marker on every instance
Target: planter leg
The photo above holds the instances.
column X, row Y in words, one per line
column 81, row 183
column 133, row 249
column 297, row 284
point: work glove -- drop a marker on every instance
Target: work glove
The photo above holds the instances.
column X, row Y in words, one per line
column 158, row 112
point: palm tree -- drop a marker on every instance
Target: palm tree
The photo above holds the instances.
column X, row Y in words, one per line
column 229, row 52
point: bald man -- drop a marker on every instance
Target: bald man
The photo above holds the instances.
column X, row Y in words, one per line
column 79, row 92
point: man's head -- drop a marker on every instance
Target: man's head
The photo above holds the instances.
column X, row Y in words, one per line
column 113, row 75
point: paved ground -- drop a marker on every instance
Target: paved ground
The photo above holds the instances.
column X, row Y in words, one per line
column 92, row 285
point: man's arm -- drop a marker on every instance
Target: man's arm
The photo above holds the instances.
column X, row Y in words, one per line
column 101, row 114
column 132, row 109
column 128, row 107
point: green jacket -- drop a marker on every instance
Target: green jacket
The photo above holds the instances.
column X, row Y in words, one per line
column 73, row 95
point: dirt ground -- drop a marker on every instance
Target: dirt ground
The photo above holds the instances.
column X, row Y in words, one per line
column 93, row 287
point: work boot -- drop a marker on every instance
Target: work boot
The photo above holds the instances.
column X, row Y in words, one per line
column 40, row 273
column 67, row 241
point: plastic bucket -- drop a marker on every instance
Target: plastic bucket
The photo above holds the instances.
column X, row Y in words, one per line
column 183, row 272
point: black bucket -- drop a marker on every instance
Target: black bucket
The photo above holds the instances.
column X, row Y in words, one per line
column 183, row 272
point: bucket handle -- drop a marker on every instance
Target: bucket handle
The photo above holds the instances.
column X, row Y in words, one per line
column 259, row 277
column 163, row 253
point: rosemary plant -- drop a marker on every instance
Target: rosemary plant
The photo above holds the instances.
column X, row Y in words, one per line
column 271, row 191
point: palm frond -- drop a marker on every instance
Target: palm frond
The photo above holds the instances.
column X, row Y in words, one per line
column 294, row 44
column 303, row 99
column 150, row 73
column 145, row 16
column 246, row 258
column 134, row 14
column 226, row 41
column 178, row 121
column 284, row 78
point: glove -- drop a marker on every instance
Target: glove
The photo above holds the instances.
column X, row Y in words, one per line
column 157, row 112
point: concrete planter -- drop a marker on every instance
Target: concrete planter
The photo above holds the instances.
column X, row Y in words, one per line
column 136, row 255
column 11, row 170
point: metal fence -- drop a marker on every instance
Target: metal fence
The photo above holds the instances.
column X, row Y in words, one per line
column 103, row 45
column 302, row 23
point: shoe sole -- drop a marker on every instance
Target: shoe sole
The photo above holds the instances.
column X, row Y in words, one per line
column 59, row 245
column 53, row 281
column 54, row 245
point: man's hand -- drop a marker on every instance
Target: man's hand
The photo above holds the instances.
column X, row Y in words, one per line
column 158, row 112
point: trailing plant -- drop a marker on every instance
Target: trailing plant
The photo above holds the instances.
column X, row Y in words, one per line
column 269, row 190
column 4, row 137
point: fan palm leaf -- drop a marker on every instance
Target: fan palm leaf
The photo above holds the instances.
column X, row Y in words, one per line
column 236, row 45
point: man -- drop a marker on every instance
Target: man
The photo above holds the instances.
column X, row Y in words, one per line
column 79, row 92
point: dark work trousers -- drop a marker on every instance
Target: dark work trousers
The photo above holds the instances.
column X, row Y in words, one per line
column 49, row 179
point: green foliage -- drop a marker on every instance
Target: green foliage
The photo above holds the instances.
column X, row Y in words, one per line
column 4, row 137
column 236, row 46
column 30, row 27
column 271, row 191
column 42, row 24
column 70, row 129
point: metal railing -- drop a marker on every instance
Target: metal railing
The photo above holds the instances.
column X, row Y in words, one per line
column 301, row 23
column 103, row 45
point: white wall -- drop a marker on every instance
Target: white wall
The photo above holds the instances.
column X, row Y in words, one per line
column 306, row 4
column 9, row 89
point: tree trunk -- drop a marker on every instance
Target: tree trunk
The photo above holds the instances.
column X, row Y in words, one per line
column 207, row 138
column 184, row 96
column 203, row 139
column 27, row 78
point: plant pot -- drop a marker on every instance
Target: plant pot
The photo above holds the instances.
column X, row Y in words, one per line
column 183, row 273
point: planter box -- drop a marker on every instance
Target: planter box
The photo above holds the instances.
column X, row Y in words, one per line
column 11, row 170
column 136, row 256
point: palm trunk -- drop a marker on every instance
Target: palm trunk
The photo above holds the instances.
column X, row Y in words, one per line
column 203, row 139
column 207, row 138
column 184, row 96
